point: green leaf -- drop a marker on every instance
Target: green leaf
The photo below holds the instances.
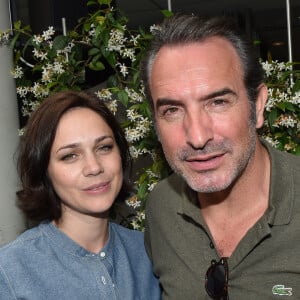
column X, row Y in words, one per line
column 91, row 2
column 167, row 13
column 290, row 106
column 123, row 97
column 96, row 66
column 17, row 25
column 60, row 42
column 142, row 190
column 105, row 2
column 94, row 51
column 272, row 117
column 281, row 106
column 296, row 86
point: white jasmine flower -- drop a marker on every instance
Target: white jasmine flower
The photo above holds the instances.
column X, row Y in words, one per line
column 128, row 53
column 116, row 40
column 132, row 114
column 39, row 54
column 39, row 91
column 58, row 68
column 48, row 33
column 150, row 186
column 135, row 224
column 47, row 74
column 274, row 143
column 21, row 131
column 154, row 28
column 135, row 152
column 22, row 91
column 123, row 69
column 134, row 39
column 112, row 106
column 50, row 44
column 287, row 121
column 151, row 174
column 37, row 39
column 132, row 135
column 133, row 95
column 4, row 37
column 270, row 104
column 17, row 72
column 104, row 94
column 133, row 202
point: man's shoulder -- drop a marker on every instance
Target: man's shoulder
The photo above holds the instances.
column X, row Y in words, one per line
column 167, row 193
column 171, row 184
column 283, row 159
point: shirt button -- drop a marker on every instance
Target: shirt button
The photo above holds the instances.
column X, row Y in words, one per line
column 102, row 254
column 211, row 245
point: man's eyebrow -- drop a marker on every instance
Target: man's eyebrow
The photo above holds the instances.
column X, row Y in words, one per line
column 219, row 93
column 166, row 101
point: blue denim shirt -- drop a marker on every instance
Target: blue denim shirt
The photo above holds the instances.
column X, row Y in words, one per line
column 43, row 263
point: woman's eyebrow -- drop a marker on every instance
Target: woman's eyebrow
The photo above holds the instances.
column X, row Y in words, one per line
column 75, row 145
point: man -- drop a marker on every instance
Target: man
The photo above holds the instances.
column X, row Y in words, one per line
column 226, row 224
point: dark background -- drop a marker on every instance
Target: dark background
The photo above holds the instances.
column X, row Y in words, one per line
column 263, row 20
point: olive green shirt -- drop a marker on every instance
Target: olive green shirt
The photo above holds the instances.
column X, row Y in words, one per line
column 265, row 264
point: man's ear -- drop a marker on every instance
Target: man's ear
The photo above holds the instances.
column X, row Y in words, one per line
column 260, row 103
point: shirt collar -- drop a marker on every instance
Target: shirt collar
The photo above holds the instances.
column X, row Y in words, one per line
column 281, row 194
column 62, row 240
column 282, row 187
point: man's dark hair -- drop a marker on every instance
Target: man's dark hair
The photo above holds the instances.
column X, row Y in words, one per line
column 181, row 29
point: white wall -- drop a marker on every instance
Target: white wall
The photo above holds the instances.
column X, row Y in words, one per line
column 11, row 220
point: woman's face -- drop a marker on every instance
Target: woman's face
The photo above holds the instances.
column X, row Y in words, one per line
column 85, row 166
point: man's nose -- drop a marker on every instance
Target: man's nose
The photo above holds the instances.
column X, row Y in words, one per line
column 198, row 126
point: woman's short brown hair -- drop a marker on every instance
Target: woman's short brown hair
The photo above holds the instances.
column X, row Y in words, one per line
column 37, row 197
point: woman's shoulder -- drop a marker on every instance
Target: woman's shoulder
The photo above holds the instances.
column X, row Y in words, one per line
column 122, row 230
column 127, row 235
column 22, row 242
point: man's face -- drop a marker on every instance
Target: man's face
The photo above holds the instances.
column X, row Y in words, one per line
column 202, row 113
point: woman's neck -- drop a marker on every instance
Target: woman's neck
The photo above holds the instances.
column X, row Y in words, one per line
column 89, row 232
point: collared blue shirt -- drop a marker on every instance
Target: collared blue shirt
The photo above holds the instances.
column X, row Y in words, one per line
column 43, row 263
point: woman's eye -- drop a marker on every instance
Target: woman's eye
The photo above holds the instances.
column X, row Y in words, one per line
column 70, row 156
column 105, row 148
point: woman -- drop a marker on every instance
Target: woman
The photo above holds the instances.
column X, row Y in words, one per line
column 72, row 163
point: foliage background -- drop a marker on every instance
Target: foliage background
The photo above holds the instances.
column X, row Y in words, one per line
column 102, row 48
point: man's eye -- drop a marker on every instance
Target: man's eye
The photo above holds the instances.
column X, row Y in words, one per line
column 219, row 102
column 219, row 105
column 171, row 110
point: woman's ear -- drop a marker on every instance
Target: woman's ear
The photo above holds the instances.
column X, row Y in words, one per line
column 260, row 103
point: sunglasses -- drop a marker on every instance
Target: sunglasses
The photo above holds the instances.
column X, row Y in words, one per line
column 216, row 279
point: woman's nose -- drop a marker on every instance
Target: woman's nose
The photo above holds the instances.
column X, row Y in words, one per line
column 92, row 165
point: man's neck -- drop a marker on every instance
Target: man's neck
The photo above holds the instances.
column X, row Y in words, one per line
column 231, row 213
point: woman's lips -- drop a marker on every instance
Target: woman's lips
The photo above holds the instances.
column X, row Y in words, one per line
column 100, row 187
